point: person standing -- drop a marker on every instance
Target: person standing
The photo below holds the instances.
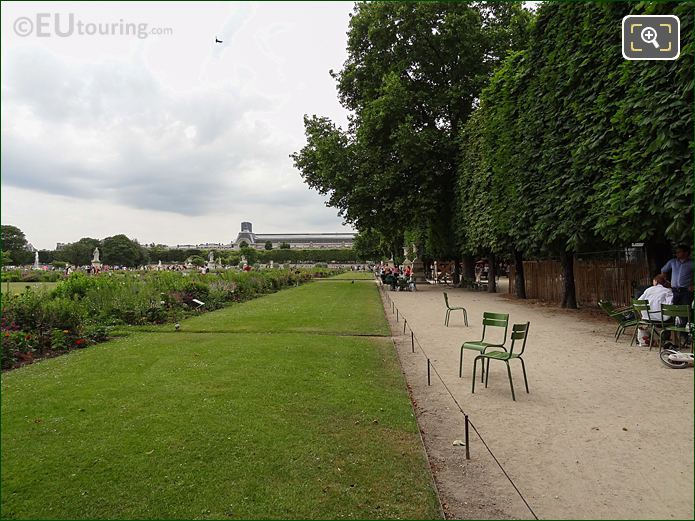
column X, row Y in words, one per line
column 680, row 269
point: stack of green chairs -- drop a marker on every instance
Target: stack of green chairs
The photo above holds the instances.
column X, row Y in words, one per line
column 490, row 320
column 520, row 334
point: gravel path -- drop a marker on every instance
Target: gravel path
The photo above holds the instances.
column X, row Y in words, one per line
column 589, row 441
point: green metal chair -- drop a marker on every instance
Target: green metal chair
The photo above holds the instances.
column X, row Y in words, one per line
column 449, row 309
column 639, row 306
column 519, row 333
column 620, row 315
column 490, row 320
column 674, row 311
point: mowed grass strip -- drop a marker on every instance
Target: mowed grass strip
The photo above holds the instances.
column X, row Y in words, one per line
column 354, row 275
column 325, row 307
column 217, row 425
column 13, row 288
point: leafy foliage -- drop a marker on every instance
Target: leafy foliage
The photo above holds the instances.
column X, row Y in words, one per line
column 14, row 244
column 411, row 79
column 574, row 147
column 122, row 251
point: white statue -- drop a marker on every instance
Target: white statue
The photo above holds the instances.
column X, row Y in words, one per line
column 211, row 256
column 96, row 255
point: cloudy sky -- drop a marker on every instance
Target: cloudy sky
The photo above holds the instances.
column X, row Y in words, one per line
column 168, row 138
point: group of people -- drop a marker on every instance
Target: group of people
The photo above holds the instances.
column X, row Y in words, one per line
column 397, row 277
column 674, row 285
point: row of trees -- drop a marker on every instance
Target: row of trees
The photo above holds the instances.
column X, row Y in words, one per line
column 121, row 251
column 486, row 130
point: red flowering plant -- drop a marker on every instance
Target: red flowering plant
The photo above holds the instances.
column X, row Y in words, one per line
column 17, row 347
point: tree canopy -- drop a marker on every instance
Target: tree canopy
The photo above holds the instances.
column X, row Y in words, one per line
column 411, row 79
column 15, row 245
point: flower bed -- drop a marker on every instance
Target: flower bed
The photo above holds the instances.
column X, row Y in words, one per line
column 81, row 309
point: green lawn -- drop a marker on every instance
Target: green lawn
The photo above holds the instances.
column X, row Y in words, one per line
column 356, row 275
column 252, row 418
column 18, row 287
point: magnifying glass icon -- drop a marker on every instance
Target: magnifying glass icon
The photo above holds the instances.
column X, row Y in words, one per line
column 648, row 35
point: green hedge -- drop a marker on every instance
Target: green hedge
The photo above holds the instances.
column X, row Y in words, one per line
column 31, row 276
column 573, row 147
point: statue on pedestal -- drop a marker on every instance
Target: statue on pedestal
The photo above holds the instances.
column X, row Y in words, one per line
column 96, row 262
column 418, row 265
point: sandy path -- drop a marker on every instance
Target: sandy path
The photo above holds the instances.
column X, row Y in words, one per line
column 587, row 442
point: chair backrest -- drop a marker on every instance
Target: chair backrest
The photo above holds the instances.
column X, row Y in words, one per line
column 495, row 320
column 446, row 299
column 607, row 306
column 519, row 333
column 642, row 305
column 675, row 311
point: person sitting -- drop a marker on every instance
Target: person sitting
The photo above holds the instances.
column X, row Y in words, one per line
column 411, row 282
column 657, row 294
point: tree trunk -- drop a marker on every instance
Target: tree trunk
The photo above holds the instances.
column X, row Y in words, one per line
column 468, row 267
column 519, row 280
column 457, row 272
column 492, row 274
column 569, row 294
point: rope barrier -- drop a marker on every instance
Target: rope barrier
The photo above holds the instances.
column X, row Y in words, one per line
column 431, row 367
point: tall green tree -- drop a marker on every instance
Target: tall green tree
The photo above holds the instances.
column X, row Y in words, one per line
column 79, row 253
column 585, row 148
column 119, row 250
column 14, row 243
column 413, row 73
column 369, row 245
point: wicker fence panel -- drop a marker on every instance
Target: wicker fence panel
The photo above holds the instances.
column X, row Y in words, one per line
column 594, row 280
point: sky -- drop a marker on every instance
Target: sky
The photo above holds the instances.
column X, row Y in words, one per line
column 156, row 131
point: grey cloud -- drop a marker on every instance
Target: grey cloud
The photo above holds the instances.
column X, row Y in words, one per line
column 185, row 153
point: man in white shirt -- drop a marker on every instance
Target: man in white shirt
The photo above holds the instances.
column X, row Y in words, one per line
column 657, row 295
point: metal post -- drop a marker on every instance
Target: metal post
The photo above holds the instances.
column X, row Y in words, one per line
column 412, row 341
column 468, row 452
column 428, row 372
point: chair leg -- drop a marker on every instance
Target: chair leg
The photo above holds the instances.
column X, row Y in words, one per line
column 475, row 364
column 511, row 384
column 461, row 363
column 523, row 368
column 484, row 370
column 465, row 317
column 487, row 374
column 619, row 332
column 446, row 319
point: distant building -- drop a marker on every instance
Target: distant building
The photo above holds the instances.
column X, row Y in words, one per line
column 61, row 245
column 294, row 240
column 305, row 241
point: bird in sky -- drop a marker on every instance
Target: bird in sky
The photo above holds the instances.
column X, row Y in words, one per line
column 217, row 41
